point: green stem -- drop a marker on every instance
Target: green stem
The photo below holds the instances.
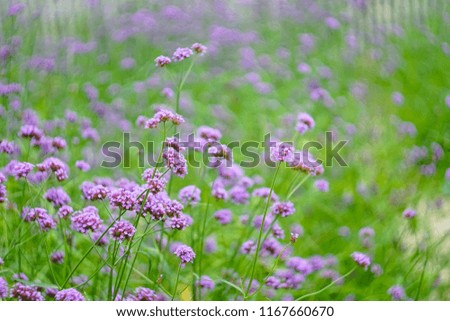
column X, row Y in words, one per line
column 176, row 282
column 261, row 229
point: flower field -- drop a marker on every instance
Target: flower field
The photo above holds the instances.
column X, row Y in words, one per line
column 224, row 150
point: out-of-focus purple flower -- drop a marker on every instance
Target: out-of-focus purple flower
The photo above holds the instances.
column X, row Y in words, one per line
column 282, row 152
column 264, row 192
column 210, row 244
column 181, row 54
column 437, row 151
column 300, row 265
column 447, row 101
column 69, row 295
column 199, row 48
column 363, row 260
column 55, row 165
column 305, row 162
column 82, row 165
column 167, row 92
column 175, row 161
column 15, row 9
column 332, row 23
column 304, row 123
column 447, row 174
column 283, row 209
column 57, row 196
column 248, row 247
column 162, row 61
column 57, row 257
column 223, row 216
column 397, row 98
column 397, row 292
column 376, row 269
column 143, row 294
column 3, row 288
column 304, row 68
column 409, row 213
column 189, row 195
column 64, row 211
column 162, row 116
column 93, row 191
column 127, row 63
column 87, row 220
column 21, row 169
column 205, row 283
column 322, row 185
column 122, row 231
column 23, row 292
column 7, row 147
column 271, row 247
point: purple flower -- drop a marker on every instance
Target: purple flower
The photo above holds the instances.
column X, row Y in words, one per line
column 23, row 292
column 300, row 265
column 376, row 269
column 397, row 293
column 162, row 61
column 31, row 131
column 82, row 165
column 361, row 259
column 282, row 152
column 199, row 48
column 239, row 195
column 143, row 294
column 409, row 213
column 185, row 253
column 223, row 216
column 179, row 222
column 87, row 220
column 322, row 185
column 175, row 161
column 122, row 230
column 264, row 192
column 248, row 247
column 189, row 195
column 123, row 199
column 21, row 169
column 447, row 174
column 65, row 211
column 57, row 257
column 181, row 53
column 210, row 244
column 3, row 288
column 69, row 295
column 57, row 196
column 205, row 283
column 283, row 209
column 15, row 9
column 162, row 116
column 304, row 123
column 7, row 147
column 93, row 192
column 397, row 98
column 155, row 181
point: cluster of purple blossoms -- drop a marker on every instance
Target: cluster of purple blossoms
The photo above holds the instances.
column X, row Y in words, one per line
column 23, row 292
column 322, row 185
column 143, row 294
column 264, row 193
column 55, row 165
column 57, row 257
column 282, row 152
column 305, row 162
column 205, row 283
column 189, row 195
column 122, row 230
column 181, row 54
column 155, row 180
column 57, row 196
column 82, row 165
column 179, row 222
column 69, row 295
column 366, row 235
column 175, row 161
column 39, row 215
column 2, row 188
column 163, row 116
column 87, row 220
column 199, row 48
column 31, row 131
column 248, row 247
column 93, row 191
column 7, row 147
column 3, row 288
column 363, row 260
column 162, row 61
column 397, row 293
column 123, row 199
column 283, row 209
column 304, row 123
column 409, row 213
column 64, row 211
column 20, row 169
column 223, row 216
column 185, row 253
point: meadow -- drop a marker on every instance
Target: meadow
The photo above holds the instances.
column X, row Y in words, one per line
column 224, row 150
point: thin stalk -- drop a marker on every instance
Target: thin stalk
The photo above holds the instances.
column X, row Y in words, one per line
column 176, row 282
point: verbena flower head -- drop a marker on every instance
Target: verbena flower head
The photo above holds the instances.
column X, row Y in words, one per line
column 223, row 216
column 304, row 123
column 409, row 213
column 3, row 288
column 282, row 152
column 189, row 195
column 162, row 61
column 123, row 199
column 57, row 257
column 87, row 220
column 363, row 260
column 82, row 165
column 69, row 295
column 185, row 253
column 64, row 211
column 21, row 169
column 199, row 48
column 322, row 185
column 264, row 193
column 397, row 292
column 163, row 116
column 175, row 161
column 248, row 247
column 283, row 209
column 31, row 131
column 57, row 196
column 23, row 292
column 181, row 54
column 122, row 231
column 143, row 294
column 205, row 283
column 154, row 179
